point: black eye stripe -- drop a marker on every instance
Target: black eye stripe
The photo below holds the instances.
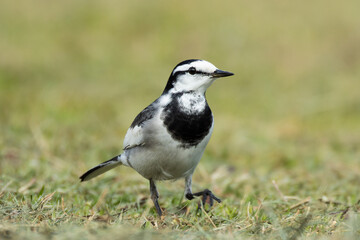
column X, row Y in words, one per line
column 190, row 70
column 202, row 73
column 187, row 71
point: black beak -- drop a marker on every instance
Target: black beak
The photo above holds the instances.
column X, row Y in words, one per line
column 220, row 73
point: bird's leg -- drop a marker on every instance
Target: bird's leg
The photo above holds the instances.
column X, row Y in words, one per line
column 188, row 193
column 207, row 195
column 155, row 196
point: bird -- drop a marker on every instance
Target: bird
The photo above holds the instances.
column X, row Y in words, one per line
column 167, row 139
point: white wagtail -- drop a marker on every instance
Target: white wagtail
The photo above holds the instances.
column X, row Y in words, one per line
column 167, row 139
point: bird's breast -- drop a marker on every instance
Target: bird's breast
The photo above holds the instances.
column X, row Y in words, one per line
column 187, row 118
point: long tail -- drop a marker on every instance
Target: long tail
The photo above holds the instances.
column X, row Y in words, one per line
column 101, row 168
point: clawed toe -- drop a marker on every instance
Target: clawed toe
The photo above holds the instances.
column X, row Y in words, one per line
column 207, row 197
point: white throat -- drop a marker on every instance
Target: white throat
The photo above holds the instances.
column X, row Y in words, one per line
column 192, row 103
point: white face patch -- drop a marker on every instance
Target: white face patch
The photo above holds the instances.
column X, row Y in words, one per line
column 192, row 103
column 199, row 81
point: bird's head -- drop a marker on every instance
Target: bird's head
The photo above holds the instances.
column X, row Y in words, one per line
column 193, row 75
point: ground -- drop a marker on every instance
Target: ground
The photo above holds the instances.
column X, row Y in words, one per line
column 284, row 155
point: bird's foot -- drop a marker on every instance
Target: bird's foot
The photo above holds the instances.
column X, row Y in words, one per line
column 207, row 197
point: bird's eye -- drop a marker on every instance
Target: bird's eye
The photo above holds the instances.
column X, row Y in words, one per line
column 192, row 70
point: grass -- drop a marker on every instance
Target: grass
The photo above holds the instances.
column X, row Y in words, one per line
column 284, row 155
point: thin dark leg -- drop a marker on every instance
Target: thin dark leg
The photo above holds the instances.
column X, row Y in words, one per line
column 207, row 195
column 188, row 192
column 155, row 196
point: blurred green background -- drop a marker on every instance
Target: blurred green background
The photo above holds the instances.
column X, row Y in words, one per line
column 74, row 74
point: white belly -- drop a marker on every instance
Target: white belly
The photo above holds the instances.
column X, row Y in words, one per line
column 162, row 158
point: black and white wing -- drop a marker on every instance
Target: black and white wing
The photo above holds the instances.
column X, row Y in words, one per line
column 135, row 134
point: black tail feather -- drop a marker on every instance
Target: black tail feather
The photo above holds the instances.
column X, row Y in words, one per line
column 101, row 168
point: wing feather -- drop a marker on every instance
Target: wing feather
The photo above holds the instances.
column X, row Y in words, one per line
column 135, row 134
